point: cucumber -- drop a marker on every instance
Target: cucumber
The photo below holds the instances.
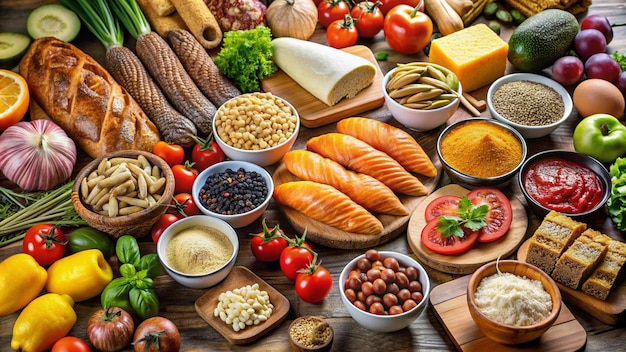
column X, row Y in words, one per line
column 53, row 20
column 541, row 39
column 12, row 47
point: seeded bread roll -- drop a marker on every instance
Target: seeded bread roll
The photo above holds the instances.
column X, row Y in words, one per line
column 551, row 239
column 603, row 279
column 327, row 73
column 580, row 258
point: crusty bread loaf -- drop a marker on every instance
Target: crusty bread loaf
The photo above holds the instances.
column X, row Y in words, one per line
column 555, row 233
column 581, row 258
column 327, row 73
column 81, row 97
column 608, row 272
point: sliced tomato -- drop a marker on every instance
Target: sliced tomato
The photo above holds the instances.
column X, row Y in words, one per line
column 435, row 242
column 440, row 206
column 500, row 213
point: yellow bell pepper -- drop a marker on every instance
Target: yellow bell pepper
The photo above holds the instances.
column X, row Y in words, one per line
column 21, row 280
column 43, row 322
column 81, row 275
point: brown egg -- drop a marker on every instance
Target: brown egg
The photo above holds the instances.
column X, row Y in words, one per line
column 593, row 96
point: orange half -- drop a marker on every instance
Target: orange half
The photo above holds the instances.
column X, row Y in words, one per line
column 14, row 98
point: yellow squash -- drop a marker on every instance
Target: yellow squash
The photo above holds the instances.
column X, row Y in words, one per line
column 21, row 280
column 82, row 275
column 44, row 321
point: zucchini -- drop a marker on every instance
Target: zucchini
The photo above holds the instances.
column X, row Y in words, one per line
column 53, row 20
column 12, row 47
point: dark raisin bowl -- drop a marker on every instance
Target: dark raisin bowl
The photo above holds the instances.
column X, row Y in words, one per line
column 237, row 192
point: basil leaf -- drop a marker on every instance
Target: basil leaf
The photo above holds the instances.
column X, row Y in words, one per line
column 127, row 270
column 145, row 302
column 116, row 294
column 150, row 263
column 127, row 250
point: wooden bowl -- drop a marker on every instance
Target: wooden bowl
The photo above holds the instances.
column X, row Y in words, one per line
column 299, row 347
column 137, row 224
column 511, row 334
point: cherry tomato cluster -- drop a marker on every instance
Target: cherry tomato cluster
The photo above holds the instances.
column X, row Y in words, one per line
column 203, row 154
column 407, row 29
column 298, row 262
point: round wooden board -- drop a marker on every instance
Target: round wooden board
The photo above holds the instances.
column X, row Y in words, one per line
column 329, row 236
column 480, row 253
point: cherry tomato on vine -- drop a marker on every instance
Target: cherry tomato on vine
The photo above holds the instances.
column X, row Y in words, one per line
column 407, row 31
column 183, row 204
column 342, row 33
column 269, row 244
column 295, row 257
column 44, row 242
column 164, row 222
column 173, row 154
column 329, row 11
column 205, row 153
column 369, row 18
column 70, row 344
column 184, row 175
column 314, row 284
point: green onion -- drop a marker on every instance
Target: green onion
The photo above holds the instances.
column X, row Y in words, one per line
column 131, row 16
column 97, row 17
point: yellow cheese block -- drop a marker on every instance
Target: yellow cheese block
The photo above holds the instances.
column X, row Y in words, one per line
column 476, row 54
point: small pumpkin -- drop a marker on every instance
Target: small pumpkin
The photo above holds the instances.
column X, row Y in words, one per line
column 292, row 18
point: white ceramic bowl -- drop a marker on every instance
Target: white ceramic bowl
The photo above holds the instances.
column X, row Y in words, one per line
column 526, row 130
column 198, row 280
column 261, row 157
column 419, row 119
column 386, row 323
column 236, row 220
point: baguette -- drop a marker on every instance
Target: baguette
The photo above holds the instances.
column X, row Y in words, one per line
column 82, row 98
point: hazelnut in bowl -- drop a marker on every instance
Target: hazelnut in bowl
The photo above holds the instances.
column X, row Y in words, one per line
column 533, row 104
column 256, row 127
column 479, row 152
column 513, row 302
column 198, row 251
column 384, row 291
column 237, row 192
column 423, row 103
column 569, row 182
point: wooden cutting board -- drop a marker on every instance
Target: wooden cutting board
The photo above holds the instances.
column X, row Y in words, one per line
column 313, row 112
column 329, row 236
column 480, row 253
column 612, row 311
column 449, row 303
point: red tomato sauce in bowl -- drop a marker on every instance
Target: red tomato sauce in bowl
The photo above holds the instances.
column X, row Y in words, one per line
column 564, row 186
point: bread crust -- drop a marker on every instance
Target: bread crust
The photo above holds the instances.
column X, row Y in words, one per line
column 80, row 96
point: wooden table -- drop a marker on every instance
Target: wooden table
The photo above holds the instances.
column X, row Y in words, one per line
column 425, row 334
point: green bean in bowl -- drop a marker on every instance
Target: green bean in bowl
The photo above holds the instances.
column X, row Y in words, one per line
column 256, row 127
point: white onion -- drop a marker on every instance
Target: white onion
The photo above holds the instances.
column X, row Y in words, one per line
column 36, row 155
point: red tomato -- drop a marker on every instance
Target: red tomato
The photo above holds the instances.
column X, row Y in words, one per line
column 440, row 206
column 184, row 175
column 386, row 5
column 500, row 213
column 269, row 244
column 110, row 329
column 206, row 153
column 44, row 242
column 314, row 285
column 173, row 154
column 370, row 19
column 407, row 31
column 156, row 334
column 294, row 258
column 183, row 204
column 435, row 242
column 164, row 222
column 329, row 11
column 70, row 344
column 342, row 33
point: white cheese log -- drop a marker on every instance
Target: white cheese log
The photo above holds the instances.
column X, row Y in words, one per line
column 327, row 73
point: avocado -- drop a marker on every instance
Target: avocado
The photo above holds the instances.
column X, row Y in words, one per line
column 541, row 39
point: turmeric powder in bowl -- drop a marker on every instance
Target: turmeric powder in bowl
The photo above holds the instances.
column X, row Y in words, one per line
column 481, row 152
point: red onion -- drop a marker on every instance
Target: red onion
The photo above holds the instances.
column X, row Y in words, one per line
column 36, row 155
